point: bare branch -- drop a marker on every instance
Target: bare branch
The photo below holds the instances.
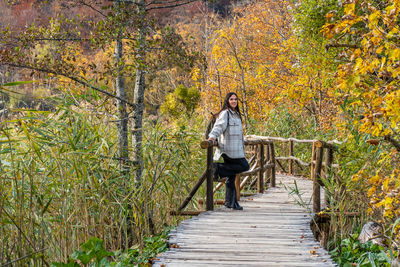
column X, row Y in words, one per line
column 91, row 7
column 75, row 79
column 171, row 6
column 62, row 39
column 163, row 2
column 124, row 1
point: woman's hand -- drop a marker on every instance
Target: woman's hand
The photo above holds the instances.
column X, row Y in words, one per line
column 212, row 140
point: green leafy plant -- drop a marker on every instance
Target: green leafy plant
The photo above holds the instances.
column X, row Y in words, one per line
column 93, row 254
column 153, row 245
column 351, row 251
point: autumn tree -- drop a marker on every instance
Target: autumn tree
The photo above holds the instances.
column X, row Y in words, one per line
column 367, row 84
column 243, row 56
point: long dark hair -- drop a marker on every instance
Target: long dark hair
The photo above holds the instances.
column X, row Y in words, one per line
column 227, row 106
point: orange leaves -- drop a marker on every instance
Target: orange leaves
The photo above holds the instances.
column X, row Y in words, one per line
column 369, row 75
column 349, row 9
column 384, row 194
column 251, row 55
column 374, row 19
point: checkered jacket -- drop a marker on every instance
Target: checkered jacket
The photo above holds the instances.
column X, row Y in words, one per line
column 230, row 137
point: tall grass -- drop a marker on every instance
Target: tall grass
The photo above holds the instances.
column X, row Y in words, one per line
column 60, row 183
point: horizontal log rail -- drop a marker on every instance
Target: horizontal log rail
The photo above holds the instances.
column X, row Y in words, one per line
column 309, row 141
column 336, row 166
column 256, row 170
column 295, row 159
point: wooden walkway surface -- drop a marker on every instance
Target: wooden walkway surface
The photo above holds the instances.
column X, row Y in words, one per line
column 271, row 231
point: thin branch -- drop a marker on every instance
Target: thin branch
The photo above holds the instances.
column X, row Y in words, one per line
column 124, row 1
column 171, row 6
column 62, row 39
column 91, row 7
column 71, row 78
column 18, row 227
column 341, row 45
column 163, row 2
column 24, row 257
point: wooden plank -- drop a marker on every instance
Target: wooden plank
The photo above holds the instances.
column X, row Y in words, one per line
column 270, row 231
column 204, row 262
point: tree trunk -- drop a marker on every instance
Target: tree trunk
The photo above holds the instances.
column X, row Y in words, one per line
column 137, row 124
column 121, row 107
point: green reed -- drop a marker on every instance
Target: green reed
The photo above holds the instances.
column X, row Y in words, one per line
column 60, row 183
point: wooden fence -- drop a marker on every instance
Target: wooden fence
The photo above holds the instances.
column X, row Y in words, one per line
column 318, row 166
column 261, row 151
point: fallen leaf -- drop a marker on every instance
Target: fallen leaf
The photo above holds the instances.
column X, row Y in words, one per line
column 312, row 252
column 302, row 236
column 323, row 260
column 316, row 247
column 151, row 261
column 253, row 226
column 250, row 199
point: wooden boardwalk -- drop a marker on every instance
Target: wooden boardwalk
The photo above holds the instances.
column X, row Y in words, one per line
column 271, row 231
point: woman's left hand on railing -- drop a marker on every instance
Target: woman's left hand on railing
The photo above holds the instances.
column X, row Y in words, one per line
column 207, row 143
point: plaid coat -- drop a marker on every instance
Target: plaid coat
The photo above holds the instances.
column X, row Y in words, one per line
column 230, row 137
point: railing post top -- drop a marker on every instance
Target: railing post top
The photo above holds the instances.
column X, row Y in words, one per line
column 207, row 143
column 319, row 143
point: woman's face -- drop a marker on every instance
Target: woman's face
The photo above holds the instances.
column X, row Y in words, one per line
column 233, row 101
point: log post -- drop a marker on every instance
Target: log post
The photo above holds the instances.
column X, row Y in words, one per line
column 328, row 168
column 237, row 185
column 272, row 155
column 209, row 194
column 317, row 176
column 260, row 181
column 291, row 155
column 267, row 170
column 312, row 165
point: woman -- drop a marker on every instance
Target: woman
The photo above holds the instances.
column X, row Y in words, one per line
column 228, row 129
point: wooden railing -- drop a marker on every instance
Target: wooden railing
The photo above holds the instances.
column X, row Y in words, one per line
column 262, row 164
column 318, row 167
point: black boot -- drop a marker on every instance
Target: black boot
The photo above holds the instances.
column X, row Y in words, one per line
column 235, row 203
column 228, row 197
column 215, row 172
column 216, row 176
